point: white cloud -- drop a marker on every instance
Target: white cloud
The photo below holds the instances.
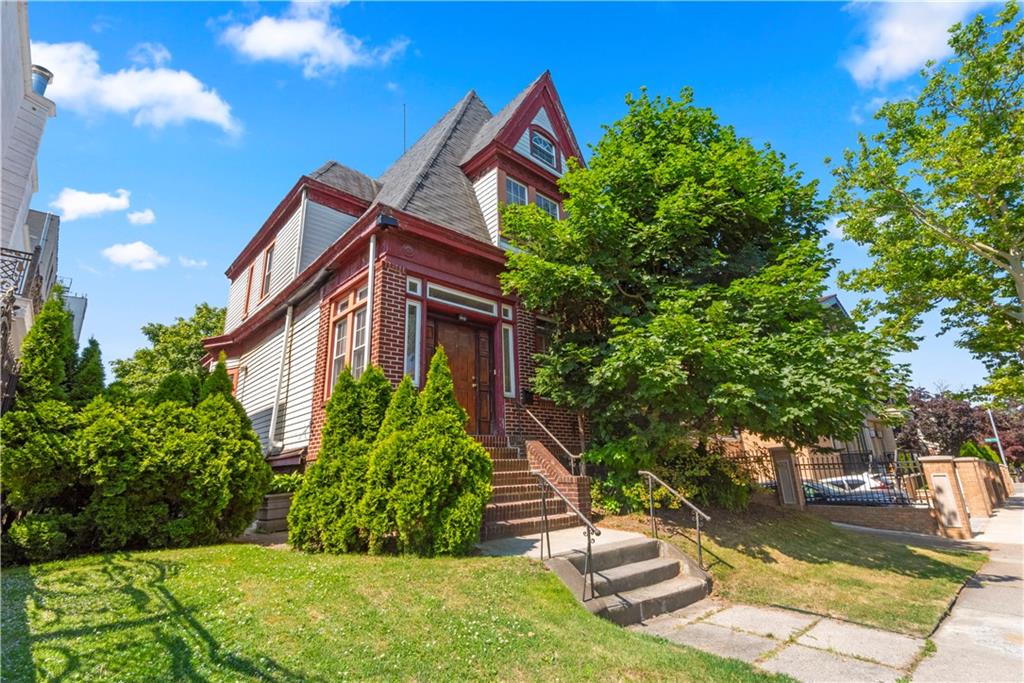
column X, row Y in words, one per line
column 136, row 255
column 902, row 36
column 153, row 95
column 187, row 262
column 305, row 35
column 144, row 217
column 832, row 228
column 74, row 204
column 145, row 54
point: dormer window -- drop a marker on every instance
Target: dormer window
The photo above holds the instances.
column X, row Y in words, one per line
column 548, row 206
column 542, row 148
column 515, row 192
column 268, row 264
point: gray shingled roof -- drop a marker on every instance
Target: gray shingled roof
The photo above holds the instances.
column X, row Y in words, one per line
column 347, row 180
column 490, row 130
column 426, row 181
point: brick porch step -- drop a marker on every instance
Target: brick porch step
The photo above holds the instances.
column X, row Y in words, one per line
column 527, row 526
column 521, row 465
column 491, row 440
column 513, row 478
column 504, row 452
column 520, row 509
column 515, row 492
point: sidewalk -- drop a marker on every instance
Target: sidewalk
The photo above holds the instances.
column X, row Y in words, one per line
column 983, row 637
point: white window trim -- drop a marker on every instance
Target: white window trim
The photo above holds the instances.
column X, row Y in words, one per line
column 358, row 371
column 554, row 149
column 417, row 351
column 506, row 312
column 493, row 305
column 558, row 211
column 413, row 285
column 508, row 357
column 344, row 320
column 526, row 191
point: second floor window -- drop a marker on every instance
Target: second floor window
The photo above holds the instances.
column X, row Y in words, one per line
column 515, row 192
column 268, row 263
column 548, row 206
column 542, row 148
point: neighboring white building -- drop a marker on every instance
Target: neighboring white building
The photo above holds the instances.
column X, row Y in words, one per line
column 28, row 239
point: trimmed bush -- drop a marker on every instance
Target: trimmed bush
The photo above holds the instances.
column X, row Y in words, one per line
column 40, row 538
column 439, row 499
column 174, row 387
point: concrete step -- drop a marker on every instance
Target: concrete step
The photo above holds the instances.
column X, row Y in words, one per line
column 511, row 465
column 514, row 492
column 628, row 577
column 634, row 606
column 512, row 478
column 528, row 526
column 504, row 452
column 521, row 509
column 619, row 553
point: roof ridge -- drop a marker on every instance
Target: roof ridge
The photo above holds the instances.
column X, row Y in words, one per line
column 497, row 123
column 459, row 109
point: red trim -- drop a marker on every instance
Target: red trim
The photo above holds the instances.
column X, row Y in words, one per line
column 515, row 164
column 248, row 291
column 319, row 192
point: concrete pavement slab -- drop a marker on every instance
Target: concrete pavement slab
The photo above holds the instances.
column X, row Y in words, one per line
column 664, row 624
column 817, row 666
column 893, row 649
column 722, row 641
column 562, row 541
column 765, row 621
column 996, row 598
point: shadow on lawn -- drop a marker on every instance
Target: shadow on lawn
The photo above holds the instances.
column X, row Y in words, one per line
column 761, row 531
column 57, row 612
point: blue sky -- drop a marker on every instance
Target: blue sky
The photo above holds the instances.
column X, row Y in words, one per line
column 180, row 126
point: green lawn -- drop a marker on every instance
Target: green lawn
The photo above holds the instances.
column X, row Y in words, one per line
column 235, row 612
column 794, row 559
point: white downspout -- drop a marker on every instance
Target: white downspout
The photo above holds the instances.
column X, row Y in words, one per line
column 371, row 272
column 285, row 354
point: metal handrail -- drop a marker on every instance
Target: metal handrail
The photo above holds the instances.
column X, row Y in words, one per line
column 572, row 457
column 697, row 512
column 589, row 531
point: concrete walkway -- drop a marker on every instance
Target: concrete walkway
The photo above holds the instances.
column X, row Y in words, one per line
column 805, row 646
column 983, row 637
column 562, row 541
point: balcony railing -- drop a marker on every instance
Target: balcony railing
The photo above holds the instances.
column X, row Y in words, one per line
column 19, row 273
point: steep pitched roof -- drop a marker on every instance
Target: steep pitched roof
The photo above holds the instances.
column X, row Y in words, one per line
column 493, row 127
column 347, row 180
column 427, row 181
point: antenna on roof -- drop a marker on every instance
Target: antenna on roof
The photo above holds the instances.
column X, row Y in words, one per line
column 403, row 128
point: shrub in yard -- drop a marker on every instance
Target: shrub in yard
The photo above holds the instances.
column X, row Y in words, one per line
column 285, row 483
column 174, row 387
column 86, row 382
column 39, row 538
column 37, row 467
column 439, row 499
column 388, row 462
column 325, row 509
column 48, row 354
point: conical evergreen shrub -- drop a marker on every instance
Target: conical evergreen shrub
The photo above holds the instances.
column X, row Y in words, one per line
column 48, row 354
column 87, row 380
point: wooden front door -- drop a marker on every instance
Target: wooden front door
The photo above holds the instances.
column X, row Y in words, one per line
column 469, row 355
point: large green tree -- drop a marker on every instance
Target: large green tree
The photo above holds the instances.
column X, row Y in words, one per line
column 937, row 196
column 177, row 347
column 685, row 283
column 48, row 354
column 87, row 380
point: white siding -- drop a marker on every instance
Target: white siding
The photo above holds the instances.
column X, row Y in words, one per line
column 523, row 146
column 323, row 226
column 258, row 380
column 286, row 244
column 486, row 189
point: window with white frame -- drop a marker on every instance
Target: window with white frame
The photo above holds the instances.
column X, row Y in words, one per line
column 348, row 345
column 506, row 311
column 412, row 285
column 508, row 360
column 548, row 206
column 413, row 327
column 268, row 264
column 542, row 148
column 340, row 348
column 515, row 192
column 359, row 343
column 454, row 297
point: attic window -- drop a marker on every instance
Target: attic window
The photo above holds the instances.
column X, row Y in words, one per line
column 542, row 148
column 515, row 193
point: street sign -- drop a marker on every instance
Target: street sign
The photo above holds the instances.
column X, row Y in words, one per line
column 991, row 439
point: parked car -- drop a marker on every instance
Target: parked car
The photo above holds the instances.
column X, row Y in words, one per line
column 821, row 493
column 853, row 482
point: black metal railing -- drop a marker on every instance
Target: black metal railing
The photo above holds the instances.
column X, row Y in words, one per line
column 863, row 479
column 589, row 530
column 16, row 268
column 756, row 465
column 576, row 462
column 698, row 514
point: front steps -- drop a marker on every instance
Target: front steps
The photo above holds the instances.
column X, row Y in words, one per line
column 515, row 507
column 634, row 579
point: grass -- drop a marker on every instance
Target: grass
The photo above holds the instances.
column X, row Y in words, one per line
column 768, row 556
column 236, row 612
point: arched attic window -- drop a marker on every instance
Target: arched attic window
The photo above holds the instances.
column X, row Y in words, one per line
column 543, row 148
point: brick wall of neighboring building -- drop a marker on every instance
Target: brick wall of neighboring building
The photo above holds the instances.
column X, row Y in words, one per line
column 894, row 518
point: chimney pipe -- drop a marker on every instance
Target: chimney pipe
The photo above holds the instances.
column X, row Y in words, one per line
column 41, row 78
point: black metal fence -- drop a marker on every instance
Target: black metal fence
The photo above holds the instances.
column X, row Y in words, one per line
column 863, row 479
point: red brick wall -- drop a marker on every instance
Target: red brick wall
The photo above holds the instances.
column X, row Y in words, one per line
column 576, row 489
column 388, row 351
column 917, row 520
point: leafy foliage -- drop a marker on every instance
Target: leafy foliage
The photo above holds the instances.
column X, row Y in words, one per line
column 175, row 387
column 48, row 354
column 88, row 378
column 285, row 483
column 942, row 419
column 938, row 198
column 177, row 347
column 685, row 285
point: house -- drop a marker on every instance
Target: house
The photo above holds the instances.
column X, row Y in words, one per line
column 350, row 270
column 28, row 239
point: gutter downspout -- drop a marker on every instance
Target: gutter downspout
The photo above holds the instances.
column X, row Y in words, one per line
column 285, row 353
column 371, row 273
